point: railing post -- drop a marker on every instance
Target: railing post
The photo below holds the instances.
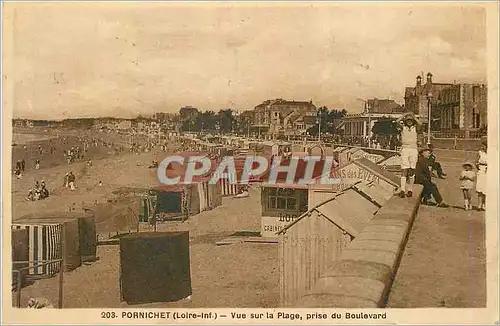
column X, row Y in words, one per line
column 19, row 286
column 62, row 266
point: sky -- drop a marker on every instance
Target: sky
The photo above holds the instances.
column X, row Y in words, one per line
column 123, row 59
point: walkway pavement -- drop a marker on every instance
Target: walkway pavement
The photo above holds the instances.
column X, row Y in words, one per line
column 444, row 263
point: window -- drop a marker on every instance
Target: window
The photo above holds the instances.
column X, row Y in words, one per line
column 282, row 199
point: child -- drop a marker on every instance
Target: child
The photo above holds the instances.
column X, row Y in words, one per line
column 468, row 176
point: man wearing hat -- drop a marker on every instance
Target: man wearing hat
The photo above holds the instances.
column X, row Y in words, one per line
column 409, row 153
column 423, row 177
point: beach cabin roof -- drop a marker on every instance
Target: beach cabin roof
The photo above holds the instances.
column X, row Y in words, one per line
column 50, row 217
column 353, row 150
column 338, row 149
column 394, row 160
column 300, row 172
column 349, row 210
column 376, row 158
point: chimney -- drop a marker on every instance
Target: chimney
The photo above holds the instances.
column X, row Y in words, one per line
column 429, row 78
column 419, row 80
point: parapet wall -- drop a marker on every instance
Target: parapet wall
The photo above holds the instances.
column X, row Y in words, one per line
column 362, row 276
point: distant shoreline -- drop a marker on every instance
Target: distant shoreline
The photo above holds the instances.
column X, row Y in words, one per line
column 22, row 139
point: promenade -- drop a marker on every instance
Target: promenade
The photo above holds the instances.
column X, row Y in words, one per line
column 444, row 263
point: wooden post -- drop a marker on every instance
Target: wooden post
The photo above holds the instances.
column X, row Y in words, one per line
column 62, row 266
column 19, row 286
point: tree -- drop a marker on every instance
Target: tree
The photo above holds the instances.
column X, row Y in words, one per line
column 329, row 120
column 385, row 127
column 385, row 131
column 206, row 121
column 227, row 121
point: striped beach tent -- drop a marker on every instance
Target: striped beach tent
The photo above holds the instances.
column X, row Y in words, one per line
column 45, row 234
column 228, row 185
column 44, row 244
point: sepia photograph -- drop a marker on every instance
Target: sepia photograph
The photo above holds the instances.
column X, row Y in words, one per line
column 253, row 162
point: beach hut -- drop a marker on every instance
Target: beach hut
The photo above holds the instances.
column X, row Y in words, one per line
column 316, row 238
column 155, row 267
column 341, row 155
column 210, row 194
column 282, row 202
column 118, row 215
column 44, row 242
column 177, row 200
column 215, row 194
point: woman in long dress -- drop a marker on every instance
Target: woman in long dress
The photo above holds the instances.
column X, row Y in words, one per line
column 482, row 165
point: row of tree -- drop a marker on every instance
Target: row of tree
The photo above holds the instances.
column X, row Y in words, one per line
column 327, row 121
column 223, row 121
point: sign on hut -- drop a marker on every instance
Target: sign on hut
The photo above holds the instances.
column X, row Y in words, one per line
column 316, row 238
column 368, row 172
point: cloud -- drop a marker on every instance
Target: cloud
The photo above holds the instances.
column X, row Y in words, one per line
column 141, row 57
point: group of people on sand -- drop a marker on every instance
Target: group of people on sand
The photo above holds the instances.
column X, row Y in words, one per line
column 418, row 165
column 38, row 192
column 73, row 154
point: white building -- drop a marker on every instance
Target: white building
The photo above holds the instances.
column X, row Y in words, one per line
column 360, row 125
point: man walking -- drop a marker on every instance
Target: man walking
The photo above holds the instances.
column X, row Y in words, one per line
column 423, row 177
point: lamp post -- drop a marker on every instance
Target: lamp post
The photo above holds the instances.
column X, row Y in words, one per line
column 319, row 126
column 429, row 119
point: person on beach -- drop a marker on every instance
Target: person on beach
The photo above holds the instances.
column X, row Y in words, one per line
column 37, row 164
column 23, row 165
column 66, row 182
column 467, row 178
column 409, row 153
column 31, row 195
column 481, row 177
column 71, row 181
